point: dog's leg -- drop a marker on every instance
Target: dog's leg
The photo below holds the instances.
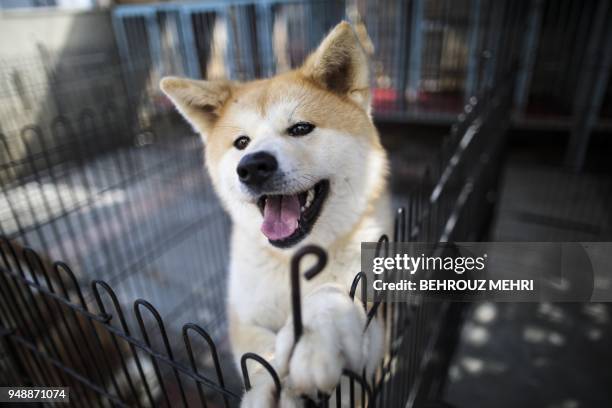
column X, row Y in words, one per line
column 333, row 339
column 256, row 339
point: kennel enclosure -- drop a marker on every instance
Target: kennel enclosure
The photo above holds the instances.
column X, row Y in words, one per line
column 117, row 191
column 147, row 369
column 144, row 364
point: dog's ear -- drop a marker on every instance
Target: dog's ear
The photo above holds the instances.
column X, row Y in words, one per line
column 200, row 102
column 340, row 65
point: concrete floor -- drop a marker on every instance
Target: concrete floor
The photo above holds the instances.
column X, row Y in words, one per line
column 539, row 355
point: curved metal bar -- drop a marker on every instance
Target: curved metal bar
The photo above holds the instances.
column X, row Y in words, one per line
column 38, row 307
column 119, row 313
column 158, row 319
column 62, row 129
column 384, row 239
column 95, row 285
column 28, row 253
column 296, row 299
column 75, row 284
column 145, row 336
column 267, row 366
column 360, row 277
column 372, row 312
column 35, row 129
column 13, row 252
column 68, row 327
column 6, row 242
column 114, row 300
column 162, row 330
column 213, row 351
column 37, row 133
column 61, row 121
column 362, row 383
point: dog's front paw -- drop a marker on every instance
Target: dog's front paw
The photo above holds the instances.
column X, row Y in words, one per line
column 264, row 396
column 260, row 396
column 333, row 339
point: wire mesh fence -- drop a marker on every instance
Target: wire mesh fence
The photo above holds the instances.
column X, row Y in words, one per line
column 129, row 211
column 129, row 207
column 121, row 214
column 126, row 203
column 428, row 56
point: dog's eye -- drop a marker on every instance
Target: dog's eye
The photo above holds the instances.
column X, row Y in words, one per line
column 242, row 142
column 300, row 129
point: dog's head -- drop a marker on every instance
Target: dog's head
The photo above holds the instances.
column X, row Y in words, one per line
column 294, row 157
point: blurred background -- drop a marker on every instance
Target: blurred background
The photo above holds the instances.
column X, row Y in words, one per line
column 97, row 169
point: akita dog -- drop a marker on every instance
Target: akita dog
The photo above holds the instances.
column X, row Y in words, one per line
column 296, row 160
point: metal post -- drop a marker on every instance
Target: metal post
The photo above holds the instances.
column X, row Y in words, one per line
column 495, row 33
column 127, row 66
column 416, row 44
column 246, row 55
column 264, row 37
column 472, row 64
column 599, row 58
column 528, row 56
column 121, row 38
column 400, row 56
column 189, row 44
column 591, row 57
column 154, row 37
column 314, row 24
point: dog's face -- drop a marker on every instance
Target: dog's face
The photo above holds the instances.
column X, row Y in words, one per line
column 294, row 158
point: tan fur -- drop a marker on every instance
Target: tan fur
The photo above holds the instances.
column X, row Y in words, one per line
column 331, row 91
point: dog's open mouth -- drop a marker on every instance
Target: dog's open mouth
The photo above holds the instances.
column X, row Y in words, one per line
column 289, row 218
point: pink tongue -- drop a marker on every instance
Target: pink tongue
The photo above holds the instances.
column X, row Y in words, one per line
column 281, row 215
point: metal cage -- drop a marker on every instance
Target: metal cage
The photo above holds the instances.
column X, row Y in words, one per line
column 127, row 205
column 59, row 328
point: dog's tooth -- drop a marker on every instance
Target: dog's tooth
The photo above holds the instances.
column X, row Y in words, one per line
column 309, row 197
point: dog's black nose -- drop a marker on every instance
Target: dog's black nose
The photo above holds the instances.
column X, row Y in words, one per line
column 255, row 168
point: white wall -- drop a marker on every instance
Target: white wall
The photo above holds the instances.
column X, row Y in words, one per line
column 56, row 29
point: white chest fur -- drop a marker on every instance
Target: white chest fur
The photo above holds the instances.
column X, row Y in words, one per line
column 259, row 289
column 259, row 284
